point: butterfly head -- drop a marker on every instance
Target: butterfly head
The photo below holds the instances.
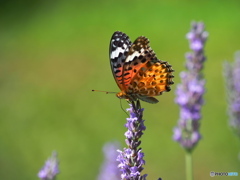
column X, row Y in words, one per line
column 122, row 95
column 127, row 96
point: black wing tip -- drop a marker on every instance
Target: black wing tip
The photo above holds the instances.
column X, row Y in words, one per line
column 118, row 39
column 119, row 33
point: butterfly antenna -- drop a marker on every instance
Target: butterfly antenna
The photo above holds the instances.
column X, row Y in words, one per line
column 122, row 108
column 107, row 92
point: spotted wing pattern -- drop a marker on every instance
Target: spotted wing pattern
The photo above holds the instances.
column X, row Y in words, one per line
column 136, row 69
column 119, row 48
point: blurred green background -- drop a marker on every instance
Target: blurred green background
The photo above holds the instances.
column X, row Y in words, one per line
column 53, row 53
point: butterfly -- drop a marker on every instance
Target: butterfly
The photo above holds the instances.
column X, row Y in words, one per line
column 137, row 71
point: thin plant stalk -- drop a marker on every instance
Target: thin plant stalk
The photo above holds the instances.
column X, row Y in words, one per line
column 189, row 167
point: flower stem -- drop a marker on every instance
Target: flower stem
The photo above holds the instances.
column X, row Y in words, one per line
column 238, row 142
column 189, row 169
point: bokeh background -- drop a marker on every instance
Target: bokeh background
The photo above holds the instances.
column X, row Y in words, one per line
column 53, row 53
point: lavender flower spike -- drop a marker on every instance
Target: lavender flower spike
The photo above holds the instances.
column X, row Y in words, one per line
column 232, row 79
column 109, row 169
column 50, row 169
column 189, row 94
column 131, row 158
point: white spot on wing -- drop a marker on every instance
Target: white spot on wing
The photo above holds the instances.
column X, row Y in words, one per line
column 116, row 53
column 131, row 57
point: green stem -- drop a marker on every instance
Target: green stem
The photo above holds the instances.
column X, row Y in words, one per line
column 189, row 169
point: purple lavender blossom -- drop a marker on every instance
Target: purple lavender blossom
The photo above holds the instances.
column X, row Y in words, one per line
column 109, row 169
column 131, row 158
column 232, row 79
column 189, row 94
column 50, row 169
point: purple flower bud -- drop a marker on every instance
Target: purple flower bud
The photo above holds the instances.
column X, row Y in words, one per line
column 177, row 134
column 189, row 94
column 190, row 36
column 134, row 172
column 196, row 45
column 50, row 169
column 232, row 81
column 109, row 169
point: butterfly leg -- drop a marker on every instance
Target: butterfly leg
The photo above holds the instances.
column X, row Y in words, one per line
column 136, row 105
